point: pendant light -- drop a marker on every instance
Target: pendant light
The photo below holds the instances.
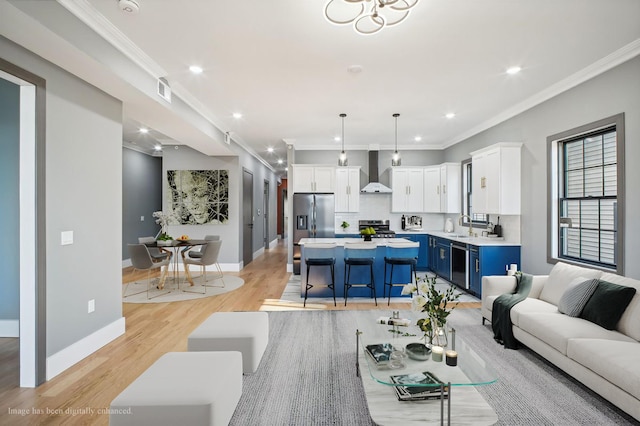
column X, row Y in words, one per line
column 343, row 160
column 396, row 160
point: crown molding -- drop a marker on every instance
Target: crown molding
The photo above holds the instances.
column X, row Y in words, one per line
column 610, row 61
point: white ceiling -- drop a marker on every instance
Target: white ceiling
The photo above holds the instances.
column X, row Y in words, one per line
column 284, row 67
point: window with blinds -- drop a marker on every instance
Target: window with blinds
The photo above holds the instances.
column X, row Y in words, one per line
column 588, row 198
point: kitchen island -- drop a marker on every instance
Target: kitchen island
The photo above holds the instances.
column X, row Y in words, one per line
column 358, row 275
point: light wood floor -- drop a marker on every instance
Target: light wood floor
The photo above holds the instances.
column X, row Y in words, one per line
column 76, row 396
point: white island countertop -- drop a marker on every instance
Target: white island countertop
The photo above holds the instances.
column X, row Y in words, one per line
column 383, row 242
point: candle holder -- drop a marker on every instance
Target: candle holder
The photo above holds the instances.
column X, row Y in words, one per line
column 451, row 358
column 436, row 353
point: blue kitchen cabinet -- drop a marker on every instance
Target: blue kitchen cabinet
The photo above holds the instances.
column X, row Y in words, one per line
column 443, row 258
column 489, row 260
column 423, row 259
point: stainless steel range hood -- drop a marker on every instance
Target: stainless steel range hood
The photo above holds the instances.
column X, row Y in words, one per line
column 374, row 186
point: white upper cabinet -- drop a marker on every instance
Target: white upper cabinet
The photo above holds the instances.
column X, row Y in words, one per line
column 450, row 188
column 310, row 178
column 442, row 189
column 407, row 187
column 432, row 189
column 347, row 189
column 496, row 179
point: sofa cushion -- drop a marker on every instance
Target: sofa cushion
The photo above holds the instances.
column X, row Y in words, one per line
column 531, row 305
column 615, row 361
column 629, row 324
column 555, row 329
column 607, row 304
column 577, row 295
column 561, row 275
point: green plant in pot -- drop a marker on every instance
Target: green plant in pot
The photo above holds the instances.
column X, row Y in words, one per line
column 163, row 220
column 436, row 304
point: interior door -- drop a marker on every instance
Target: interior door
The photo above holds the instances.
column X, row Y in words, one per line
column 247, row 217
column 265, row 214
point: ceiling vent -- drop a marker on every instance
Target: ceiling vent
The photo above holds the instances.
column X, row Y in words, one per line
column 164, row 90
column 129, row 6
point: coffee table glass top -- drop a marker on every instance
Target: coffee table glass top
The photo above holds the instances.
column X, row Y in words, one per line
column 384, row 349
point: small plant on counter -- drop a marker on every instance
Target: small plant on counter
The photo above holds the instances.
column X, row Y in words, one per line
column 344, row 225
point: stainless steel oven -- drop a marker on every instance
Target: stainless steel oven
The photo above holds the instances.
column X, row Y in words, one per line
column 459, row 263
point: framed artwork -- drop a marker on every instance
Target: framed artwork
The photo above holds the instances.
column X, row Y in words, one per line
column 198, row 197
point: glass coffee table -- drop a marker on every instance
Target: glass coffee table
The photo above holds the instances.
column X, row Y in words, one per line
column 415, row 379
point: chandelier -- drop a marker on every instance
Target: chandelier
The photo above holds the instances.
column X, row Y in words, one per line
column 368, row 16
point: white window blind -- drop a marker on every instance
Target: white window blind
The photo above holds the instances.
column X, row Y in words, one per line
column 588, row 200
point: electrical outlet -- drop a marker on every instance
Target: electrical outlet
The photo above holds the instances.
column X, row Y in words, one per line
column 91, row 306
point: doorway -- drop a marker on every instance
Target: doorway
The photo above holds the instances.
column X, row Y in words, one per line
column 247, row 217
column 32, row 254
column 265, row 215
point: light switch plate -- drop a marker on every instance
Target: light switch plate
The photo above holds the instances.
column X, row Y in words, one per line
column 91, row 306
column 66, row 238
column 141, row 218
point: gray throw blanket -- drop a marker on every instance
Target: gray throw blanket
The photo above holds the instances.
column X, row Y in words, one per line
column 500, row 316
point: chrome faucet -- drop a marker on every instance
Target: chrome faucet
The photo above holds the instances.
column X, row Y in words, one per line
column 462, row 216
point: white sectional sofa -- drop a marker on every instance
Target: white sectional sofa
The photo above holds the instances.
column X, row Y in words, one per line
column 606, row 361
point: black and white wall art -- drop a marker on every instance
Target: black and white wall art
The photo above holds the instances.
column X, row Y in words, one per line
column 198, row 197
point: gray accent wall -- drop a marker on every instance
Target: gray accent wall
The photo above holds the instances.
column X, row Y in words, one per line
column 141, row 196
column 84, row 195
column 613, row 92
column 185, row 158
column 9, row 206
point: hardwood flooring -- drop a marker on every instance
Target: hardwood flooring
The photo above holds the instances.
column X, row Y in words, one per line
column 81, row 395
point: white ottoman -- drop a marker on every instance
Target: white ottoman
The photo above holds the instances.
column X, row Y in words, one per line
column 247, row 332
column 182, row 388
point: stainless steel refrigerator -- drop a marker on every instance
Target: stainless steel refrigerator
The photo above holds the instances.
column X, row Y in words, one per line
column 314, row 216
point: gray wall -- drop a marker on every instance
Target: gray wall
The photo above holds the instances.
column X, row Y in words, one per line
column 83, row 195
column 185, row 158
column 613, row 92
column 141, row 196
column 9, row 206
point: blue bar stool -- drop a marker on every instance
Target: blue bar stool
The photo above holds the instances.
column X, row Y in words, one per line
column 358, row 255
column 404, row 256
column 320, row 254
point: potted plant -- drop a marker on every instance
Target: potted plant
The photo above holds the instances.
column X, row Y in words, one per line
column 163, row 220
column 436, row 304
column 344, row 226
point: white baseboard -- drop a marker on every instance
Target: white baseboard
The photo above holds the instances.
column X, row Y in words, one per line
column 81, row 349
column 126, row 263
column 274, row 243
column 289, row 267
column 258, row 253
column 10, row 328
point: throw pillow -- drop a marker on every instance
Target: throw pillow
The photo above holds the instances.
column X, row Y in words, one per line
column 607, row 304
column 577, row 295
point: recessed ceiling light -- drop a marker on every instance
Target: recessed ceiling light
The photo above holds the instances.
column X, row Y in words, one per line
column 417, row 138
column 337, row 138
column 158, row 148
column 144, row 130
column 514, row 70
column 196, row 69
column 237, row 115
column 280, row 161
column 450, row 115
column 286, row 169
column 354, row 69
column 269, row 149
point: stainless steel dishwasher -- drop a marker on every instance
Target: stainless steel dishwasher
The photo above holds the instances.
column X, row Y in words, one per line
column 459, row 263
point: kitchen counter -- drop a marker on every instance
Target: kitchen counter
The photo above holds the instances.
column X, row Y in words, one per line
column 340, row 242
column 462, row 238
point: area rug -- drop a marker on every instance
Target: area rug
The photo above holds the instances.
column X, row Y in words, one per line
column 292, row 300
column 307, row 376
column 177, row 293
